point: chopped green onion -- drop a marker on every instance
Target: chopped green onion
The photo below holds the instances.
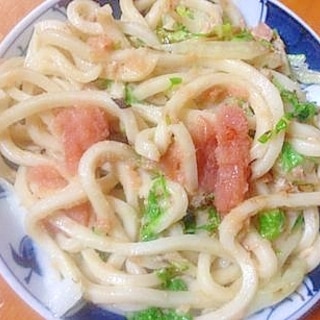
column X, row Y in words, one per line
column 175, row 81
column 281, row 125
column 264, row 138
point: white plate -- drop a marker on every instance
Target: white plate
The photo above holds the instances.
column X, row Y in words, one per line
column 18, row 255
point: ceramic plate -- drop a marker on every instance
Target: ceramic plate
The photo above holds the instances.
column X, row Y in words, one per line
column 19, row 258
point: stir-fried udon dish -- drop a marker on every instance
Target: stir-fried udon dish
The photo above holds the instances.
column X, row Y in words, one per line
column 168, row 161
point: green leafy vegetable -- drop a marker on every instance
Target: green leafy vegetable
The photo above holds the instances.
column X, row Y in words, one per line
column 102, row 83
column 156, row 205
column 271, row 223
column 244, row 35
column 154, row 313
column 189, row 222
column 299, row 222
column 178, row 34
column 213, row 221
column 303, row 111
column 176, row 284
column 204, row 207
column 290, row 158
column 170, row 280
column 227, row 32
column 224, row 31
column 129, row 97
column 184, row 11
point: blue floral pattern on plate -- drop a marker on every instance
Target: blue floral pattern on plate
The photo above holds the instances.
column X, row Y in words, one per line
column 18, row 255
column 25, row 257
column 298, row 38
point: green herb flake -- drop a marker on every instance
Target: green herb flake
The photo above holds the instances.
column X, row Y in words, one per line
column 290, row 158
column 271, row 223
column 154, row 313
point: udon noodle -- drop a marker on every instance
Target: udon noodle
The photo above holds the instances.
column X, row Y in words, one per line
column 168, row 161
